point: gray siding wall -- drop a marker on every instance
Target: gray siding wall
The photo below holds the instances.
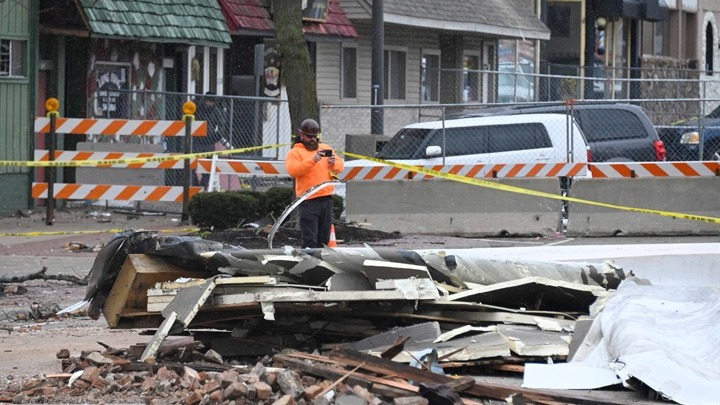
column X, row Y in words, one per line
column 338, row 122
column 355, row 10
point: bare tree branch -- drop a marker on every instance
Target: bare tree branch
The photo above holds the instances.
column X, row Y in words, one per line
column 41, row 275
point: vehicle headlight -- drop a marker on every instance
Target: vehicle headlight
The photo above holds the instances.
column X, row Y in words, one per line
column 690, row 138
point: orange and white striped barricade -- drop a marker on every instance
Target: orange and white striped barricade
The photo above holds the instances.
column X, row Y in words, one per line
column 632, row 170
column 71, row 191
column 111, row 127
column 478, row 171
column 238, row 169
column 114, row 127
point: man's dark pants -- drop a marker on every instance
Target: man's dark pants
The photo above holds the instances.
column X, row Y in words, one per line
column 315, row 221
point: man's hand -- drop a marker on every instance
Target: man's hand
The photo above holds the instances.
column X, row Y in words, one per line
column 318, row 156
column 331, row 160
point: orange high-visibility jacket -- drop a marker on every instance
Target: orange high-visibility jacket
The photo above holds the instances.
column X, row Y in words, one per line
column 299, row 163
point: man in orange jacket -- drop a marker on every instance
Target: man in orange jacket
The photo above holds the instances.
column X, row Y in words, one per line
column 312, row 163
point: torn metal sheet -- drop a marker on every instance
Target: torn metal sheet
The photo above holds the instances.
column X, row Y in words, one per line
column 290, row 208
column 420, row 333
column 568, row 376
column 479, row 313
column 381, row 270
column 473, row 267
column 348, row 282
column 636, row 336
column 411, row 289
column 536, row 293
column 480, row 346
column 451, row 334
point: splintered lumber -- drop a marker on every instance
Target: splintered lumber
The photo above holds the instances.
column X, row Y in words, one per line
column 334, row 373
column 480, row 389
column 139, row 273
column 390, row 368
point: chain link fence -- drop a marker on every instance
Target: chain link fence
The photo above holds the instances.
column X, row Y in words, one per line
column 233, row 122
column 683, row 113
column 546, row 132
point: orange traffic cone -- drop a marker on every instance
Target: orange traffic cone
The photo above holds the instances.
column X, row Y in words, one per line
column 333, row 240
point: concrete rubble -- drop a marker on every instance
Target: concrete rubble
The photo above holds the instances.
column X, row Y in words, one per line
column 341, row 325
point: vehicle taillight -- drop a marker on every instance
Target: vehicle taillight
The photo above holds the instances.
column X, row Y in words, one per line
column 660, row 152
column 589, row 155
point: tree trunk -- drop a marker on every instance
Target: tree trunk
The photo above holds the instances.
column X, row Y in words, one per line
column 297, row 73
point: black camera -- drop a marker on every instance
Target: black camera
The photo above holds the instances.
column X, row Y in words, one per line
column 327, row 153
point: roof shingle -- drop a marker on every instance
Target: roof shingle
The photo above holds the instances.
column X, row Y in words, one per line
column 252, row 15
column 198, row 22
column 499, row 17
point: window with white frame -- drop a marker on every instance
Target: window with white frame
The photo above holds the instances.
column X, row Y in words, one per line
column 430, row 77
column 349, row 72
column 12, row 58
column 471, row 78
column 395, row 67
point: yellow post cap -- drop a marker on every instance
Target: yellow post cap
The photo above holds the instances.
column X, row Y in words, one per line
column 52, row 104
column 189, row 108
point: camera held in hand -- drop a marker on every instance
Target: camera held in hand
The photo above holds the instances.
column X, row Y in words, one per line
column 327, row 153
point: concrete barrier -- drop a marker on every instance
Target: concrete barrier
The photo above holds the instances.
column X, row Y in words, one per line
column 450, row 208
column 696, row 196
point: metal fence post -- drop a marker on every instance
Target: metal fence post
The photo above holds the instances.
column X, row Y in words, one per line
column 51, row 105
column 189, row 109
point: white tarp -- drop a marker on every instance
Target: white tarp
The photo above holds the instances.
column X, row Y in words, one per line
column 666, row 337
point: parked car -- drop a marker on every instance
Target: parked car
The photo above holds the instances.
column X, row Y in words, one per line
column 615, row 132
column 521, row 138
column 682, row 139
column 526, row 138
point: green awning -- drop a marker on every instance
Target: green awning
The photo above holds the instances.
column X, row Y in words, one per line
column 195, row 22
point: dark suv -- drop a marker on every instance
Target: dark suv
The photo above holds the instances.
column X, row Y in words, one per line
column 682, row 139
column 614, row 132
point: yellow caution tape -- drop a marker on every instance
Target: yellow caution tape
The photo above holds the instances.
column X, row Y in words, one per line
column 519, row 190
column 109, row 162
column 52, row 233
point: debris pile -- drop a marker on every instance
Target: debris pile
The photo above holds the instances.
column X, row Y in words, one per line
column 353, row 325
column 181, row 374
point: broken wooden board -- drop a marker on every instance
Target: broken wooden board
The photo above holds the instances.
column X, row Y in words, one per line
column 187, row 302
column 421, row 293
column 159, row 299
column 139, row 273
